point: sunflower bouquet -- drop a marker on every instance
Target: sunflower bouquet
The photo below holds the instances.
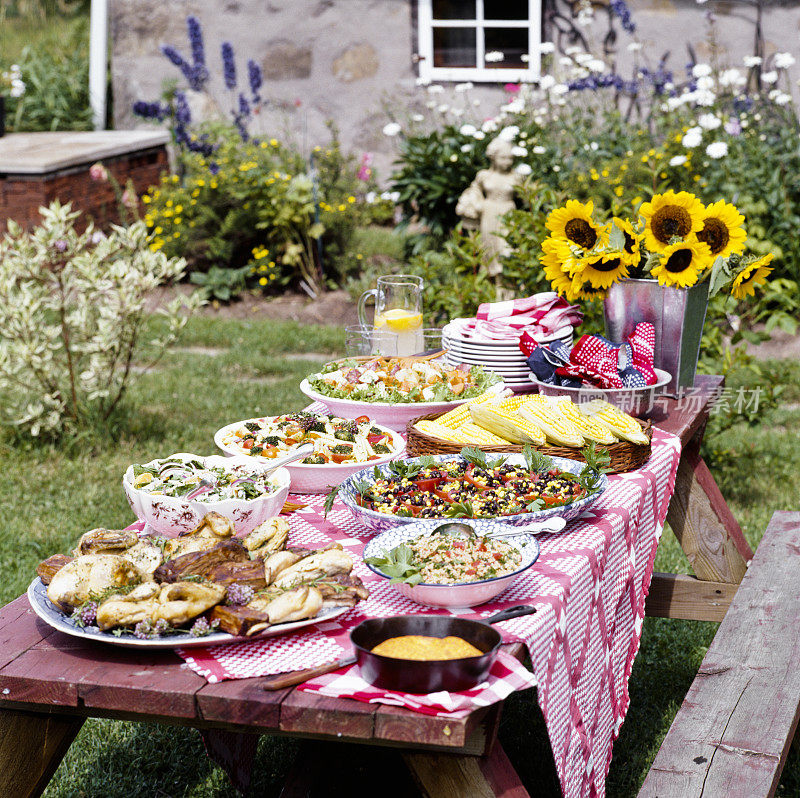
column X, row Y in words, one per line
column 674, row 239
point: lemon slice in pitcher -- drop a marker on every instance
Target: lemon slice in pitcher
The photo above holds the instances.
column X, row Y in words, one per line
column 399, row 320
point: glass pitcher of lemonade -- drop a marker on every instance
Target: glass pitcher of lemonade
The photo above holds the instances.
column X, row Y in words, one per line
column 398, row 309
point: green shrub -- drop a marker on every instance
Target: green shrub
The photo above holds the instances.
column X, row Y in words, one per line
column 72, row 309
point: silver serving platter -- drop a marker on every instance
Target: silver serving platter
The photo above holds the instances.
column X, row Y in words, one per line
column 51, row 615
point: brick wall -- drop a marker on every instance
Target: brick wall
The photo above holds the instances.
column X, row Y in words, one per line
column 22, row 195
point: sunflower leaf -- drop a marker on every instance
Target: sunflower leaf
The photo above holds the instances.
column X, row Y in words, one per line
column 719, row 277
column 653, row 259
column 616, row 238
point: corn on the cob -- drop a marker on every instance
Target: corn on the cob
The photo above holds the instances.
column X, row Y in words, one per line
column 589, row 428
column 558, row 429
column 472, row 433
column 621, row 424
column 507, row 425
column 511, row 404
column 436, row 430
column 458, row 415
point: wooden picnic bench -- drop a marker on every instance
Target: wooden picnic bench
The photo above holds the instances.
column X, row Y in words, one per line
column 733, row 731
column 50, row 683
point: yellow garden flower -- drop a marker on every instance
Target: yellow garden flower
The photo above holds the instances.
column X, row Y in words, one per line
column 601, row 270
column 755, row 273
column 682, row 263
column 723, row 229
column 574, row 222
column 631, row 249
column 668, row 215
column 556, row 259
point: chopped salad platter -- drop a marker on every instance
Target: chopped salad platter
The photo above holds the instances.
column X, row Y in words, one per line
column 400, row 380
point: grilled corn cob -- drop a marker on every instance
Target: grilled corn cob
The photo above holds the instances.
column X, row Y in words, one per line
column 460, row 415
column 590, row 429
column 511, row 404
column 621, row 424
column 510, row 426
column 558, row 429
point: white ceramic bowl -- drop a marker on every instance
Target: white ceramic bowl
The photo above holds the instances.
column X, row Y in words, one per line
column 169, row 516
column 465, row 594
column 394, row 416
column 636, row 401
column 313, row 478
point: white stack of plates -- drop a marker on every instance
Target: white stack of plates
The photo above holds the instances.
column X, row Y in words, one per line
column 503, row 357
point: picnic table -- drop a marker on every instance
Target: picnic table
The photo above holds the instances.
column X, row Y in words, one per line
column 50, row 683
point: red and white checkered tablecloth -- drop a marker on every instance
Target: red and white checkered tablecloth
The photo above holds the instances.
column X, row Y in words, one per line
column 589, row 586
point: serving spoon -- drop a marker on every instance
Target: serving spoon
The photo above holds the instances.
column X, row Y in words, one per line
column 461, row 530
column 299, row 453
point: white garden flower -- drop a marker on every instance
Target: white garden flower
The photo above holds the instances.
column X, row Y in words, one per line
column 675, row 102
column 596, row 65
column 701, row 70
column 634, row 47
column 717, row 149
column 391, row 129
column 493, row 56
column 479, row 135
column 751, row 61
column 572, row 50
column 783, row 60
column 417, row 117
column 519, row 152
column 732, row 77
column 584, row 58
column 461, row 87
column 430, row 104
column 692, row 138
column 435, row 89
column 524, row 58
column 678, row 160
column 466, row 148
column 781, row 98
column 545, row 48
column 769, row 77
column 539, row 150
column 705, row 83
column 508, row 133
column 516, row 106
column 705, row 98
column 17, row 88
column 457, row 112
column 709, row 121
column 443, row 108
column 523, row 169
column 467, row 130
column 560, row 88
column 547, row 82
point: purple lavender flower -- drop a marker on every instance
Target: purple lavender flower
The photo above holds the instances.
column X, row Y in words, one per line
column 196, row 41
column 143, row 630
column 85, row 615
column 733, row 127
column 183, row 116
column 620, row 8
column 213, row 167
column 157, row 111
column 61, row 245
column 228, row 65
column 176, row 58
column 239, row 594
column 256, row 79
column 244, row 106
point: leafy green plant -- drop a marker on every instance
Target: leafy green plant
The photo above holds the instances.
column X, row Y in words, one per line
column 72, row 312
column 399, row 563
column 222, row 284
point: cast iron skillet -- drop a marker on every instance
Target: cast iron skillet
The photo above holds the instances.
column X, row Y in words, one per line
column 417, row 676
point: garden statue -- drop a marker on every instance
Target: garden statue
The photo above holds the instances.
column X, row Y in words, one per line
column 488, row 198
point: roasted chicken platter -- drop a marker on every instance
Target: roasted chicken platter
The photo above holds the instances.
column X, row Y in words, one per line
column 206, row 580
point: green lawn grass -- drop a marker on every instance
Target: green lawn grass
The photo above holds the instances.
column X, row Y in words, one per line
column 226, row 370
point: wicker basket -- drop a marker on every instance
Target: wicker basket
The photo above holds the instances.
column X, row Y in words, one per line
column 624, row 456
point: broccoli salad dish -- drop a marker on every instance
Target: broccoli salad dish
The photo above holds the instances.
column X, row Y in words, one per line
column 336, row 440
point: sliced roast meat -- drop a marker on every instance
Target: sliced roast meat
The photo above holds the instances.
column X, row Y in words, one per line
column 237, row 620
column 242, row 573
column 47, row 569
column 201, row 563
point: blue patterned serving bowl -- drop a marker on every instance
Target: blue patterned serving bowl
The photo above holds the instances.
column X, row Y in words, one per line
column 463, row 594
column 380, row 522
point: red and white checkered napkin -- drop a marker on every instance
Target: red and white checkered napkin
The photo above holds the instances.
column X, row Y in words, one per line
column 506, row 676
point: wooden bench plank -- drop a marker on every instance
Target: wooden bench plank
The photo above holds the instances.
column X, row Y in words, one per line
column 688, row 598
column 733, row 731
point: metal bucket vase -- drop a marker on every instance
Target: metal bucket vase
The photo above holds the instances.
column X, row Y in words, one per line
column 677, row 314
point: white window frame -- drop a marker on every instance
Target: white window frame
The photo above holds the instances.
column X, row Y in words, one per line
column 425, row 28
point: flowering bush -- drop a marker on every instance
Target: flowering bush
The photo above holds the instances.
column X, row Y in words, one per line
column 674, row 238
column 72, row 311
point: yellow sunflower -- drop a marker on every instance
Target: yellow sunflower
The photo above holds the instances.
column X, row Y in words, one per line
column 668, row 215
column 602, row 269
column 755, row 273
column 574, row 223
column 723, row 229
column 681, row 263
column 554, row 256
column 630, row 251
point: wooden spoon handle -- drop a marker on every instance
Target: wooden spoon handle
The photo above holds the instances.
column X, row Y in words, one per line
column 292, row 678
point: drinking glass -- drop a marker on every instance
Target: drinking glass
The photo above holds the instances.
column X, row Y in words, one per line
column 431, row 340
column 363, row 340
column 398, row 308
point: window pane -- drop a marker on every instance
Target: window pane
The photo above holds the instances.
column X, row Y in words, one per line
column 505, row 9
column 511, row 42
column 454, row 9
column 454, row 47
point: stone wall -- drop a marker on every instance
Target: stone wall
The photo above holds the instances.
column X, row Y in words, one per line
column 346, row 59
